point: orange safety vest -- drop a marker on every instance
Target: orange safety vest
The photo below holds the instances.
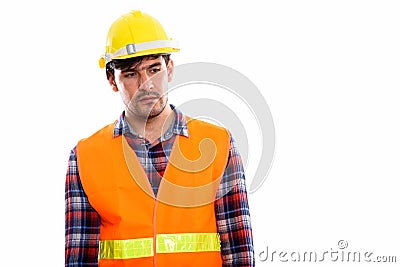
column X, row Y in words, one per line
column 176, row 228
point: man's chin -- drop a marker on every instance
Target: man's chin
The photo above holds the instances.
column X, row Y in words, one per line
column 155, row 113
column 148, row 114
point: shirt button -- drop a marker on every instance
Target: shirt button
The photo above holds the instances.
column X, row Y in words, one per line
column 144, row 144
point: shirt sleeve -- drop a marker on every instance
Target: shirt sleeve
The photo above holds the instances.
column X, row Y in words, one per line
column 233, row 214
column 82, row 223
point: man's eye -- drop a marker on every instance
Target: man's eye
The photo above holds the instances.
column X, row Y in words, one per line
column 154, row 70
column 131, row 74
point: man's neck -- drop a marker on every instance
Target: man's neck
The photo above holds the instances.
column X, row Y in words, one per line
column 153, row 128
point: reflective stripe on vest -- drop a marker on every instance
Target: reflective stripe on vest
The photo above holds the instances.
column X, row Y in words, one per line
column 126, row 249
column 191, row 242
column 166, row 243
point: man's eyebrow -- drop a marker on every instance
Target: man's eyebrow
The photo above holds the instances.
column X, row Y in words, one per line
column 145, row 67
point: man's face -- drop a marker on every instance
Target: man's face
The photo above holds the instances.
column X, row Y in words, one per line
column 143, row 86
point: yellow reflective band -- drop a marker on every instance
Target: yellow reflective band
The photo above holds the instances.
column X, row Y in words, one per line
column 188, row 242
column 166, row 243
column 126, row 249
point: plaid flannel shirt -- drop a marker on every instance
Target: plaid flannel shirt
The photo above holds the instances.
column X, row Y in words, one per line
column 82, row 222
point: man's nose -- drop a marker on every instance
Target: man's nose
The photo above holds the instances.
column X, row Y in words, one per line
column 146, row 83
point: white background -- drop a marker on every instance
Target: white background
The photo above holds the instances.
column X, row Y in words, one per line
column 329, row 71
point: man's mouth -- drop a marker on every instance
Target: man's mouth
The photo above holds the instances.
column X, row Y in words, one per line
column 148, row 99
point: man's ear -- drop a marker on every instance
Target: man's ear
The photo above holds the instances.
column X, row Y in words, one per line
column 170, row 69
column 111, row 81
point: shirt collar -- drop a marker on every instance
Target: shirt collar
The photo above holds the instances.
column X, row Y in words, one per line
column 179, row 125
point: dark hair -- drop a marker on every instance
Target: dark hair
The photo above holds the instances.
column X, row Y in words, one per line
column 122, row 64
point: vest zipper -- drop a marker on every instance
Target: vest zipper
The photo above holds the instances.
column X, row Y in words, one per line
column 155, row 231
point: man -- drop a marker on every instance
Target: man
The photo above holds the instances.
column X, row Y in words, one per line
column 154, row 188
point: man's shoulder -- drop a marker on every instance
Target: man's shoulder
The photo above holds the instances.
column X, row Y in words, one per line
column 106, row 131
column 199, row 125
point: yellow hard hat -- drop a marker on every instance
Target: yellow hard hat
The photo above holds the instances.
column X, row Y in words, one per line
column 136, row 34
